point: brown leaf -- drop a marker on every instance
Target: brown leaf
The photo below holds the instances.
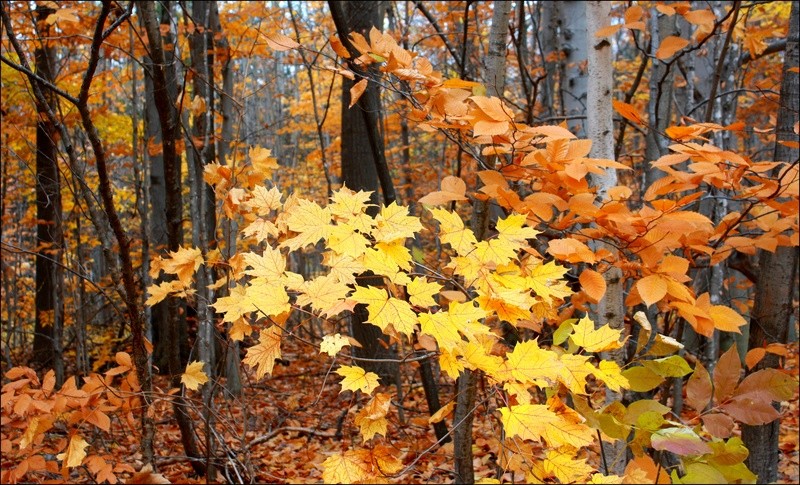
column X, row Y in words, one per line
column 718, row 425
column 146, row 476
column 698, row 388
column 726, row 374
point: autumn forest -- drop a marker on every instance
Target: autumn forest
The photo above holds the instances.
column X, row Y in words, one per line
column 399, row 241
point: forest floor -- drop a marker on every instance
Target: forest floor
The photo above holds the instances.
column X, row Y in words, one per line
column 293, row 417
column 283, row 427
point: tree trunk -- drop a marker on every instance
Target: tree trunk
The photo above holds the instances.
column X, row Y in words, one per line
column 47, row 339
column 201, row 44
column 572, row 43
column 776, row 289
column 164, row 85
column 467, row 382
column 600, row 129
column 360, row 172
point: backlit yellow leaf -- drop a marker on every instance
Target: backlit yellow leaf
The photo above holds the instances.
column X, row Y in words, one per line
column 262, row 356
column 347, row 467
column 332, row 344
column 75, row 453
column 356, row 378
column 194, row 377
column 595, row 340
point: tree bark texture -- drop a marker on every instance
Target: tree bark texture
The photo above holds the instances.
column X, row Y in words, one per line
column 47, row 351
column 773, row 311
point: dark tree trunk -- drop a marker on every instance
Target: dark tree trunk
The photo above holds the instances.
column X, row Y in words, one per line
column 174, row 335
column 47, row 351
column 776, row 288
column 360, row 172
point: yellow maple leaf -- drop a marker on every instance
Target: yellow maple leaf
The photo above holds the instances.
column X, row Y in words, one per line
column 527, row 421
column 440, row 326
column 385, row 310
column 344, row 239
column 372, row 418
column 347, row 467
column 235, row 305
column 453, row 232
column 267, row 296
column 309, row 220
column 343, row 268
column 496, row 251
column 160, row 291
column 194, row 377
column 566, row 467
column 449, row 363
column 595, row 340
column 332, row 344
column 421, row 291
column 397, row 251
column 349, row 208
column 531, row 364
column 261, row 230
column 609, row 372
column 75, row 453
column 546, row 280
column 511, row 228
column 394, row 223
column 239, row 330
column 183, row 263
column 270, row 264
column 262, row 355
column 574, row 372
column 262, row 201
column 356, row 378
column 262, row 161
column 323, row 293
column 599, row 478
column 381, row 263
column 475, row 356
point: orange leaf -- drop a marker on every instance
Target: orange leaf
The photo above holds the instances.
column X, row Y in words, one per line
column 652, row 288
column 726, row 374
column 726, row 319
column 280, row 42
column 593, row 284
column 571, row 250
column 356, row 91
column 339, row 48
column 670, row 45
column 754, row 356
column 453, row 188
column 608, row 30
column 628, row 112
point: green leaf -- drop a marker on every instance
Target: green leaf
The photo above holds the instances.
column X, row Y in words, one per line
column 642, row 379
column 672, row 366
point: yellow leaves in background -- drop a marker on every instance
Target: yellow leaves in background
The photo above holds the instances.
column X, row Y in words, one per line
column 194, row 377
column 356, row 378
